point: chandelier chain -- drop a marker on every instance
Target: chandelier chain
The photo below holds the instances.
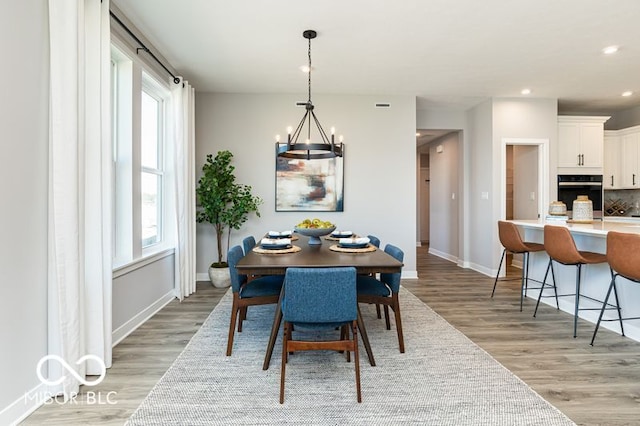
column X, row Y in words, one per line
column 309, row 77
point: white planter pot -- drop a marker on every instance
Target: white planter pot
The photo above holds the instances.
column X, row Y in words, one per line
column 220, row 277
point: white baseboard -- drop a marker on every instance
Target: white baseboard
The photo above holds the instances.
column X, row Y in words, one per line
column 130, row 326
column 482, row 269
column 21, row 408
column 409, row 275
column 443, row 255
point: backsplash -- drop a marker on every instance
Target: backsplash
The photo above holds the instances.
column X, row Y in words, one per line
column 622, row 202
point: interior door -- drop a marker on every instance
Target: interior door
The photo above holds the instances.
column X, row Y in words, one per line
column 424, row 205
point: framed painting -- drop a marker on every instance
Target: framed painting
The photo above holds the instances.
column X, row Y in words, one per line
column 310, row 185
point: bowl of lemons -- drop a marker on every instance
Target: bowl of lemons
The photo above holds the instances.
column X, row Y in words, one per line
column 314, row 229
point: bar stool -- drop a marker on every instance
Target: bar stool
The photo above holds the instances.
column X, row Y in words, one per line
column 512, row 243
column 561, row 247
column 623, row 254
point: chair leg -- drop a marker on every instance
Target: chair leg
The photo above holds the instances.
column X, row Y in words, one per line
column 386, row 317
column 577, row 303
column 396, row 311
column 604, row 306
column 356, row 357
column 285, row 349
column 544, row 283
column 243, row 316
column 232, row 325
column 378, row 310
column 495, row 283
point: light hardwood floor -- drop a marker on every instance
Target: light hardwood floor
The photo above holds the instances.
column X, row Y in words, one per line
column 592, row 385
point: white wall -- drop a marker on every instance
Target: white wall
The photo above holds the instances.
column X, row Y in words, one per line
column 481, row 166
column 380, row 162
column 23, row 190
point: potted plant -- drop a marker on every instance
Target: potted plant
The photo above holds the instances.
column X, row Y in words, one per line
column 226, row 205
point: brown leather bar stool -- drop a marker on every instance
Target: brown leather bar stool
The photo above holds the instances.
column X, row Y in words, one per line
column 623, row 254
column 559, row 244
column 512, row 243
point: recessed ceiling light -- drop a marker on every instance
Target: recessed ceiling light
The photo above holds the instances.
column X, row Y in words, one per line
column 526, row 91
column 627, row 93
column 305, row 68
column 610, row 50
column 417, row 135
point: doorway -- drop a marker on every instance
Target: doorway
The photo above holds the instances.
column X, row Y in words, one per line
column 524, row 182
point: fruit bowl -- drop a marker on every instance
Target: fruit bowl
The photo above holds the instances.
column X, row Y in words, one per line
column 314, row 234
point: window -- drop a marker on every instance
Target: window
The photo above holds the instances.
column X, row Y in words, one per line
column 152, row 168
column 138, row 120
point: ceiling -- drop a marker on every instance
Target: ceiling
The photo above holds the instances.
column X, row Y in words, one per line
column 449, row 54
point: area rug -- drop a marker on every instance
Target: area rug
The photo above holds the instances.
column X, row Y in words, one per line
column 442, row 379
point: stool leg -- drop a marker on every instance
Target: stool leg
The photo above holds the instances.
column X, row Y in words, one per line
column 544, row 283
column 577, row 304
column 604, row 306
column 555, row 289
column 615, row 293
column 525, row 261
column 504, row 251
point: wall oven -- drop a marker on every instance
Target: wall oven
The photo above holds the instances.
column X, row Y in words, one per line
column 570, row 186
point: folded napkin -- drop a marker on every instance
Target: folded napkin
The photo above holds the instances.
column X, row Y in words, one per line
column 345, row 233
column 279, row 234
column 361, row 240
column 276, row 241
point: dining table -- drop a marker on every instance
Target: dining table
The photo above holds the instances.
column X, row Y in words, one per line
column 326, row 255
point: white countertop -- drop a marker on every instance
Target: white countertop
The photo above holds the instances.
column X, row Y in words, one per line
column 597, row 228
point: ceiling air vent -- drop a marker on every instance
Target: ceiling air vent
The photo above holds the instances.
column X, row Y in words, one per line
column 383, row 105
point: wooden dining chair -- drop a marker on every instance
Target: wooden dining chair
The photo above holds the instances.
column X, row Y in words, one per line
column 320, row 299
column 385, row 292
column 258, row 291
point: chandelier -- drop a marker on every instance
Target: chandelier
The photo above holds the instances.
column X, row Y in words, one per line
column 308, row 150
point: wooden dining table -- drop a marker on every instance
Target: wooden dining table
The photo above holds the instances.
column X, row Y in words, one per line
column 316, row 256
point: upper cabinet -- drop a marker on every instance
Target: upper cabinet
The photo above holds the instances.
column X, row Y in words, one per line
column 612, row 175
column 580, row 144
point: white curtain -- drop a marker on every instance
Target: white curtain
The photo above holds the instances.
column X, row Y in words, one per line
column 79, row 248
column 183, row 156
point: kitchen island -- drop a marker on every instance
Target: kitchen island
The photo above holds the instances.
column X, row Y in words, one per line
column 595, row 278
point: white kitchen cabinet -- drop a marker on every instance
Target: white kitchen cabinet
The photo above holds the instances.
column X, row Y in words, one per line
column 612, row 175
column 581, row 144
column 630, row 140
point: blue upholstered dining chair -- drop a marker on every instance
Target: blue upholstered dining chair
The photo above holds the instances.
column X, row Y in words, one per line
column 374, row 240
column 248, row 243
column 257, row 291
column 385, row 292
column 316, row 299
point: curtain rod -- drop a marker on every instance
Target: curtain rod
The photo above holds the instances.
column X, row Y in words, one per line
column 176, row 80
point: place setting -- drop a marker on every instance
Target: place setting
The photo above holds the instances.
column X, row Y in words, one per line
column 353, row 245
column 276, row 245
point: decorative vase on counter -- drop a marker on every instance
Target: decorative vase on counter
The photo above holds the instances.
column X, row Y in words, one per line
column 582, row 209
column 557, row 208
